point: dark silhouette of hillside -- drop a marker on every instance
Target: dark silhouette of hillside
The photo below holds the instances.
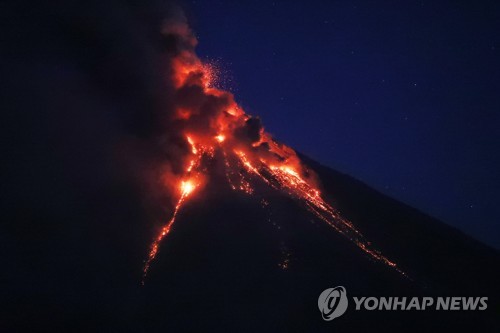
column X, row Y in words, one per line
column 221, row 268
column 221, row 265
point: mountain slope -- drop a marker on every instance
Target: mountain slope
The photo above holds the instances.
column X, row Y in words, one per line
column 222, row 265
column 232, row 262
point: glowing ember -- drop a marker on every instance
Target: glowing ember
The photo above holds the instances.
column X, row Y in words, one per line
column 187, row 187
column 191, row 143
column 250, row 154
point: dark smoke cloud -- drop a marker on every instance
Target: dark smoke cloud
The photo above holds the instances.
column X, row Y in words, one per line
column 251, row 132
column 89, row 132
column 87, row 128
column 204, row 108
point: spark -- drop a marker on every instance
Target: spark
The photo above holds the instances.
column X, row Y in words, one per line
column 220, row 138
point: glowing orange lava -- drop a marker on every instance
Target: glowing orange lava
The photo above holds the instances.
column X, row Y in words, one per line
column 186, row 187
column 220, row 138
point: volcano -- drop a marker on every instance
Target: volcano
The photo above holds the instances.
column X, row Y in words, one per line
column 230, row 261
column 233, row 262
column 220, row 228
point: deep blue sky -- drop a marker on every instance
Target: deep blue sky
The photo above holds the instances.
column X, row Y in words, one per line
column 404, row 96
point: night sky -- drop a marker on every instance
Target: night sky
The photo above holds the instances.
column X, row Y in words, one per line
column 401, row 95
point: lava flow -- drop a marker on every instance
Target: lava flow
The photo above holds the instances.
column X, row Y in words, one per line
column 210, row 124
column 186, row 188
